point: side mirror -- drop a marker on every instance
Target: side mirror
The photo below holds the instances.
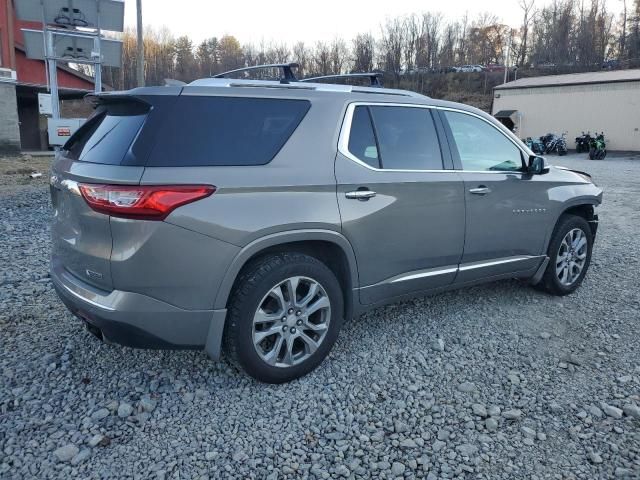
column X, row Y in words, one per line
column 538, row 165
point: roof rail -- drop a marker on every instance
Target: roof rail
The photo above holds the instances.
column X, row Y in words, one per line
column 374, row 77
column 288, row 75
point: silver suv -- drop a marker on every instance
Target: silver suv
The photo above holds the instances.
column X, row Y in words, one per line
column 255, row 217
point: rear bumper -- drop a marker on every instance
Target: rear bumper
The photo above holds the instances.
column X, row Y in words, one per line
column 139, row 321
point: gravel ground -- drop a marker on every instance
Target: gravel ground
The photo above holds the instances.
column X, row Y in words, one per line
column 498, row 381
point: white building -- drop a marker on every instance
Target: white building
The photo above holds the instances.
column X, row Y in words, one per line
column 596, row 101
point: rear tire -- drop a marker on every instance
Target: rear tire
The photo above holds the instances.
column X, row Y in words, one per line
column 569, row 256
column 261, row 300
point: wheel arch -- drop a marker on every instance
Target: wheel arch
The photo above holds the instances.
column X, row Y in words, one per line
column 584, row 208
column 330, row 247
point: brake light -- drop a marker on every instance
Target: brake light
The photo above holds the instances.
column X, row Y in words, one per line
column 144, row 202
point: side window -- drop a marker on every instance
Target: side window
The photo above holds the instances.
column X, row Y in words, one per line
column 226, row 131
column 362, row 141
column 407, row 138
column 480, row 146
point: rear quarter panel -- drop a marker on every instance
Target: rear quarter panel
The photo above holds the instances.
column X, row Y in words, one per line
column 296, row 190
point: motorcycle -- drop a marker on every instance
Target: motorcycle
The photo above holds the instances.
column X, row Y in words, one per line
column 554, row 143
column 583, row 142
column 536, row 146
column 597, row 147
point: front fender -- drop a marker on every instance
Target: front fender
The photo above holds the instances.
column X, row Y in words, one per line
column 571, row 196
column 281, row 238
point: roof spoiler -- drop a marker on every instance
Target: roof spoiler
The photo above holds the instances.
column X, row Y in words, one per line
column 375, row 78
column 287, row 72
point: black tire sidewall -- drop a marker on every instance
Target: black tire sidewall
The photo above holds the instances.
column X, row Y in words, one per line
column 246, row 354
column 567, row 223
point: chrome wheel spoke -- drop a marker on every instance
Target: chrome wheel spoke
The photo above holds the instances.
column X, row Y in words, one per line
column 263, row 317
column 322, row 302
column 292, row 287
column 313, row 291
column 320, row 327
column 276, row 293
column 262, row 334
column 288, row 352
column 271, row 357
column 310, row 344
column 580, row 242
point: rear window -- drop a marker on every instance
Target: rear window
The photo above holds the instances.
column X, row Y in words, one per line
column 219, row 131
column 108, row 134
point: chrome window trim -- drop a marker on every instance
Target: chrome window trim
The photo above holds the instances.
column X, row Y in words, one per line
column 345, row 133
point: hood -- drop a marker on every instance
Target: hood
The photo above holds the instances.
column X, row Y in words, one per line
column 584, row 175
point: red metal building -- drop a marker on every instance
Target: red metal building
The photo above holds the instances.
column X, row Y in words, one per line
column 31, row 79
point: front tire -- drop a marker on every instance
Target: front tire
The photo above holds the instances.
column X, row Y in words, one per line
column 569, row 256
column 284, row 316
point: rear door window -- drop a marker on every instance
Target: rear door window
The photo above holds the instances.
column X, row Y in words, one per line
column 226, row 131
column 407, row 138
column 362, row 140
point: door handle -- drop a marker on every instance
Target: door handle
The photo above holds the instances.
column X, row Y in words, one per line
column 481, row 190
column 360, row 194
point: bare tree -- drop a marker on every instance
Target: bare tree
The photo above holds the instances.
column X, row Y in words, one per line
column 392, row 44
column 411, row 37
column 302, row 56
column 321, row 59
column 527, row 7
column 339, row 56
column 363, row 52
column 622, row 41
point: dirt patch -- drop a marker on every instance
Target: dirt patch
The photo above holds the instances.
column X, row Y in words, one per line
column 16, row 172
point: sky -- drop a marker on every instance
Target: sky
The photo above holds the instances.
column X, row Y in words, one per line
column 252, row 21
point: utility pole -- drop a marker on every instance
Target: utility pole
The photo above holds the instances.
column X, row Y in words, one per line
column 140, row 49
column 506, row 58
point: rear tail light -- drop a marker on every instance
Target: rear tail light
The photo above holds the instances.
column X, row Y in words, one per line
column 144, row 202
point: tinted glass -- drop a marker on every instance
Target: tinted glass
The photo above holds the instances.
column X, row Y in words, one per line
column 108, row 134
column 407, row 138
column 362, row 142
column 481, row 146
column 226, row 130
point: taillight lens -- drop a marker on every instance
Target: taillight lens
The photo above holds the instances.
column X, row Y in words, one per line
column 144, row 202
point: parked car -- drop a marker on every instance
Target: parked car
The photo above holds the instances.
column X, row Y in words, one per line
column 470, row 68
column 495, row 67
column 256, row 217
column 545, row 65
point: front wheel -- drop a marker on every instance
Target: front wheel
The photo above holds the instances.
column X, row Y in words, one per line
column 569, row 256
column 284, row 317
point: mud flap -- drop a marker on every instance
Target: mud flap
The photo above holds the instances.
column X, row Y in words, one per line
column 540, row 272
column 214, row 336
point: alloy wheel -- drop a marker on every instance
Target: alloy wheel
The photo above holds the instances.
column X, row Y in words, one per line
column 291, row 322
column 572, row 256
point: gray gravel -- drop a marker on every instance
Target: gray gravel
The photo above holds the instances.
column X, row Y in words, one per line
column 499, row 381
